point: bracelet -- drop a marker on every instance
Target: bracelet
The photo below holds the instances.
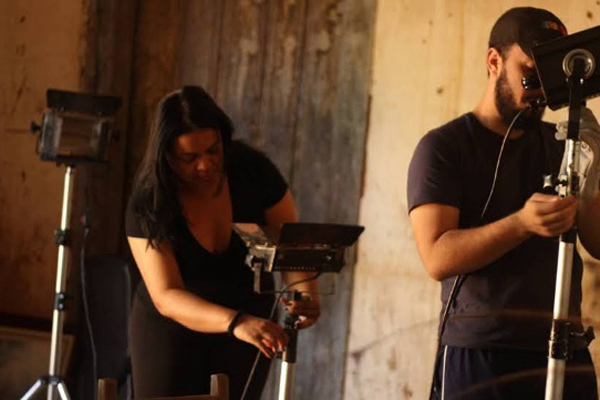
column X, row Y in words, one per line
column 234, row 322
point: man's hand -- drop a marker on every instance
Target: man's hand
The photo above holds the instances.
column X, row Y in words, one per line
column 548, row 215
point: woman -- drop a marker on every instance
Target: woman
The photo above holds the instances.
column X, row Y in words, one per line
column 193, row 183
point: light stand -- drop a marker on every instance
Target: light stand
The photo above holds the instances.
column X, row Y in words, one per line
column 301, row 247
column 561, row 332
column 572, row 57
column 75, row 129
column 53, row 380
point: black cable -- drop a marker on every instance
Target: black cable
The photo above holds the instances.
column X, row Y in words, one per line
column 460, row 279
column 86, row 309
column 271, row 315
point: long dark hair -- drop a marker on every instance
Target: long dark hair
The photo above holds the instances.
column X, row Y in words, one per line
column 154, row 198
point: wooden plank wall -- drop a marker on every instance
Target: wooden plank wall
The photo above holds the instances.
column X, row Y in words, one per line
column 294, row 77
column 157, row 44
column 106, row 69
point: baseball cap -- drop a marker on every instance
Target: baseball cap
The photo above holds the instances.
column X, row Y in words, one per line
column 526, row 26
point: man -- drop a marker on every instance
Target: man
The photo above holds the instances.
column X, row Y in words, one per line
column 477, row 212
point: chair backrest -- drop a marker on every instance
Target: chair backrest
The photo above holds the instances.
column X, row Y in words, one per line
column 219, row 390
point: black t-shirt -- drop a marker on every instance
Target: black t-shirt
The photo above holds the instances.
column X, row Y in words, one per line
column 508, row 302
column 255, row 185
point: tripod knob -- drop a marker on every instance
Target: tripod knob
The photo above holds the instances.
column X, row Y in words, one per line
column 61, row 237
column 33, row 127
column 60, row 301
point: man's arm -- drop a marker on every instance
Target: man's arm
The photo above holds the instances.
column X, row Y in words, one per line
column 448, row 251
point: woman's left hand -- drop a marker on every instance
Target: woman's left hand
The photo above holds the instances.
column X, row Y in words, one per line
column 308, row 310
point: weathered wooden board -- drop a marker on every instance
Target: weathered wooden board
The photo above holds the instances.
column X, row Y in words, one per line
column 241, row 63
column 200, row 55
column 156, row 71
column 328, row 164
column 106, row 69
column 283, row 44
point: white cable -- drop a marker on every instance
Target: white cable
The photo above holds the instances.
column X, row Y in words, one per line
column 487, row 203
column 444, row 373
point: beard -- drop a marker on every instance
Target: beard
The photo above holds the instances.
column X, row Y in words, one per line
column 508, row 109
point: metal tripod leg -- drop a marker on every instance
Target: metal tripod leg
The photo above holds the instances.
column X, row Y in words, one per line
column 50, row 383
column 34, row 389
column 62, row 390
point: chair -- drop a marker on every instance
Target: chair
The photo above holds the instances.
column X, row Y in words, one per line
column 219, row 390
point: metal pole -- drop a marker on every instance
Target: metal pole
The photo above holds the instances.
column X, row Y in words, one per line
column 288, row 357
column 286, row 381
column 560, row 327
column 53, row 379
column 560, row 335
column 61, row 280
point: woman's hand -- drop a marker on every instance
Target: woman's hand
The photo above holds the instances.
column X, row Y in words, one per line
column 266, row 335
column 308, row 310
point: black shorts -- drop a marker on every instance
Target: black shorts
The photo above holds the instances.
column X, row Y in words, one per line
column 507, row 374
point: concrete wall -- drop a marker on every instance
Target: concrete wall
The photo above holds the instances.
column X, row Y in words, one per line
column 428, row 68
column 40, row 47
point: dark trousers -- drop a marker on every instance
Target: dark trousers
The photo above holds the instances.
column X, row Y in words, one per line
column 171, row 360
column 507, row 374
